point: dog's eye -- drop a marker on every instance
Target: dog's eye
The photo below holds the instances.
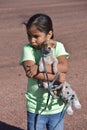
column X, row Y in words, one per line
column 66, row 86
column 67, row 92
column 73, row 95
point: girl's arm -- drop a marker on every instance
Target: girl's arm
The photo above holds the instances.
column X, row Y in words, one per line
column 32, row 70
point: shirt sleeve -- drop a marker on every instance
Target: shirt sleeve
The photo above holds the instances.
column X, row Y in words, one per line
column 60, row 50
column 27, row 54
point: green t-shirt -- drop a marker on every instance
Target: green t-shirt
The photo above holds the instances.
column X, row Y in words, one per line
column 37, row 97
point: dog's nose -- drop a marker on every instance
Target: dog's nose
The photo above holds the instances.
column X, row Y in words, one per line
column 72, row 97
column 67, row 92
column 49, row 48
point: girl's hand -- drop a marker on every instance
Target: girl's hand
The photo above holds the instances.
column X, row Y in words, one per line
column 62, row 77
column 31, row 71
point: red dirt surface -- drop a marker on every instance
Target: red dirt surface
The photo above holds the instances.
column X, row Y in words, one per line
column 70, row 27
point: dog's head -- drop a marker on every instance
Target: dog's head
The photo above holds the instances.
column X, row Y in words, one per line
column 67, row 93
column 48, row 46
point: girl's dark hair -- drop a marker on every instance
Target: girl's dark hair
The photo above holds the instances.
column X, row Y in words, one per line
column 42, row 21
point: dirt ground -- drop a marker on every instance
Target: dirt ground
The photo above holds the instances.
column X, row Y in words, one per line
column 70, row 27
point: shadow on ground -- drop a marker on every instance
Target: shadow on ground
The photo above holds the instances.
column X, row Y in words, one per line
column 4, row 126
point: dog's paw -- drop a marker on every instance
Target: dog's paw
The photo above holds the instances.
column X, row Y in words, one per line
column 54, row 70
column 45, row 85
column 77, row 104
column 69, row 111
column 41, row 68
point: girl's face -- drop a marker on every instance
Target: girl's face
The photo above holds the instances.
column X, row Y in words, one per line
column 37, row 37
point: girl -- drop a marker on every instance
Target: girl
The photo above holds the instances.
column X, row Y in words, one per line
column 40, row 30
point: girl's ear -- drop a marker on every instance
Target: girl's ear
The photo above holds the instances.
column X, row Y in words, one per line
column 49, row 35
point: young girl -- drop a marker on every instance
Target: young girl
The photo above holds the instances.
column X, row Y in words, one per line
column 40, row 30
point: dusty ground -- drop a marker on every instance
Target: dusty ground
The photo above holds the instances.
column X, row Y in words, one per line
column 70, row 25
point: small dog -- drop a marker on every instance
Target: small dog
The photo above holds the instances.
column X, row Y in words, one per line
column 64, row 90
column 69, row 96
column 47, row 56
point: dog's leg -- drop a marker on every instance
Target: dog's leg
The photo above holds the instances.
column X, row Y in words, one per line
column 55, row 63
column 69, row 110
column 76, row 102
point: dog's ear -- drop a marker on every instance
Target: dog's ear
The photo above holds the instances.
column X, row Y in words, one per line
column 43, row 46
column 54, row 45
